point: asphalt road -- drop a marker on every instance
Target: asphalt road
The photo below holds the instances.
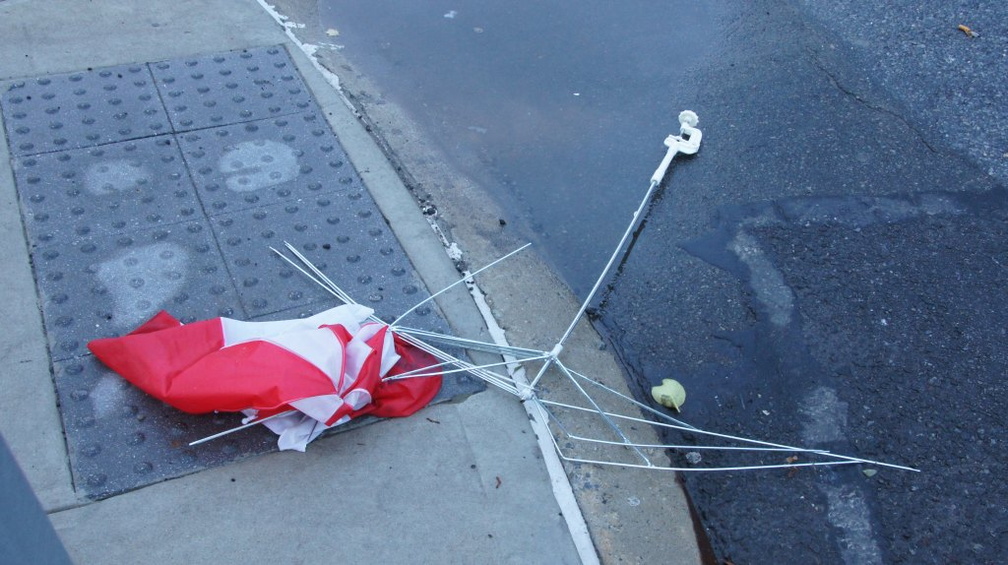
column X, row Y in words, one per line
column 829, row 270
column 837, row 280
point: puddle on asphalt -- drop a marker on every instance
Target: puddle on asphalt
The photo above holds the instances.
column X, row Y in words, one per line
column 564, row 139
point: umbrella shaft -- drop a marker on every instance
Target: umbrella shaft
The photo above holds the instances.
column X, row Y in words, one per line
column 602, row 276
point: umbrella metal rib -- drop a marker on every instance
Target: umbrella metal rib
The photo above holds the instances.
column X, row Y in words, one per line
column 468, row 277
column 430, row 371
column 469, row 343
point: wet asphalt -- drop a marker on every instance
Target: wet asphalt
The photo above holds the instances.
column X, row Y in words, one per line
column 828, row 271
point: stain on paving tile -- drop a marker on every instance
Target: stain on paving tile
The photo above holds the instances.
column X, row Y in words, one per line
column 162, row 186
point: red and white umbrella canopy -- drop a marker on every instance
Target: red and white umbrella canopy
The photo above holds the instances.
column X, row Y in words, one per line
column 330, row 368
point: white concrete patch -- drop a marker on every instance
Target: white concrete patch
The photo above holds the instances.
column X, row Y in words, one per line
column 259, row 164
column 825, row 421
column 849, row 512
column 142, row 280
column 826, row 416
column 766, row 280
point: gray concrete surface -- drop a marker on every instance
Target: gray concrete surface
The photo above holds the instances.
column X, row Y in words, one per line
column 456, row 483
column 420, row 490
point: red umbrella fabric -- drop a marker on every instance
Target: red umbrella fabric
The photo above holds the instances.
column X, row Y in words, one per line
column 331, row 367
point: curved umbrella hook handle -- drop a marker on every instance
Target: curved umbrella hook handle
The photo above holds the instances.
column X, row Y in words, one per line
column 687, row 143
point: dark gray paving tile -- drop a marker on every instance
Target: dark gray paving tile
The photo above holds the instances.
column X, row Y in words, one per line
column 109, row 189
column 229, row 88
column 81, row 109
column 254, row 164
column 342, row 234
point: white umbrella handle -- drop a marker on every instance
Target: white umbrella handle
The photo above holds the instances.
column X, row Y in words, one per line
column 687, row 143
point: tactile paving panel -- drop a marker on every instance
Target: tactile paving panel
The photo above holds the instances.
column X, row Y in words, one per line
column 108, row 189
column 228, row 88
column 82, row 109
column 127, row 215
column 257, row 163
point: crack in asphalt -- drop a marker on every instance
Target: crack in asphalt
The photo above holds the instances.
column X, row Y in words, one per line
column 818, row 64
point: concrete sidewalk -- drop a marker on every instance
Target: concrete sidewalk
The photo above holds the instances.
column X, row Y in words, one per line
column 458, row 483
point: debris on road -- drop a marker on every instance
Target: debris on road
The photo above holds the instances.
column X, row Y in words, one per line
column 969, row 32
column 669, row 394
